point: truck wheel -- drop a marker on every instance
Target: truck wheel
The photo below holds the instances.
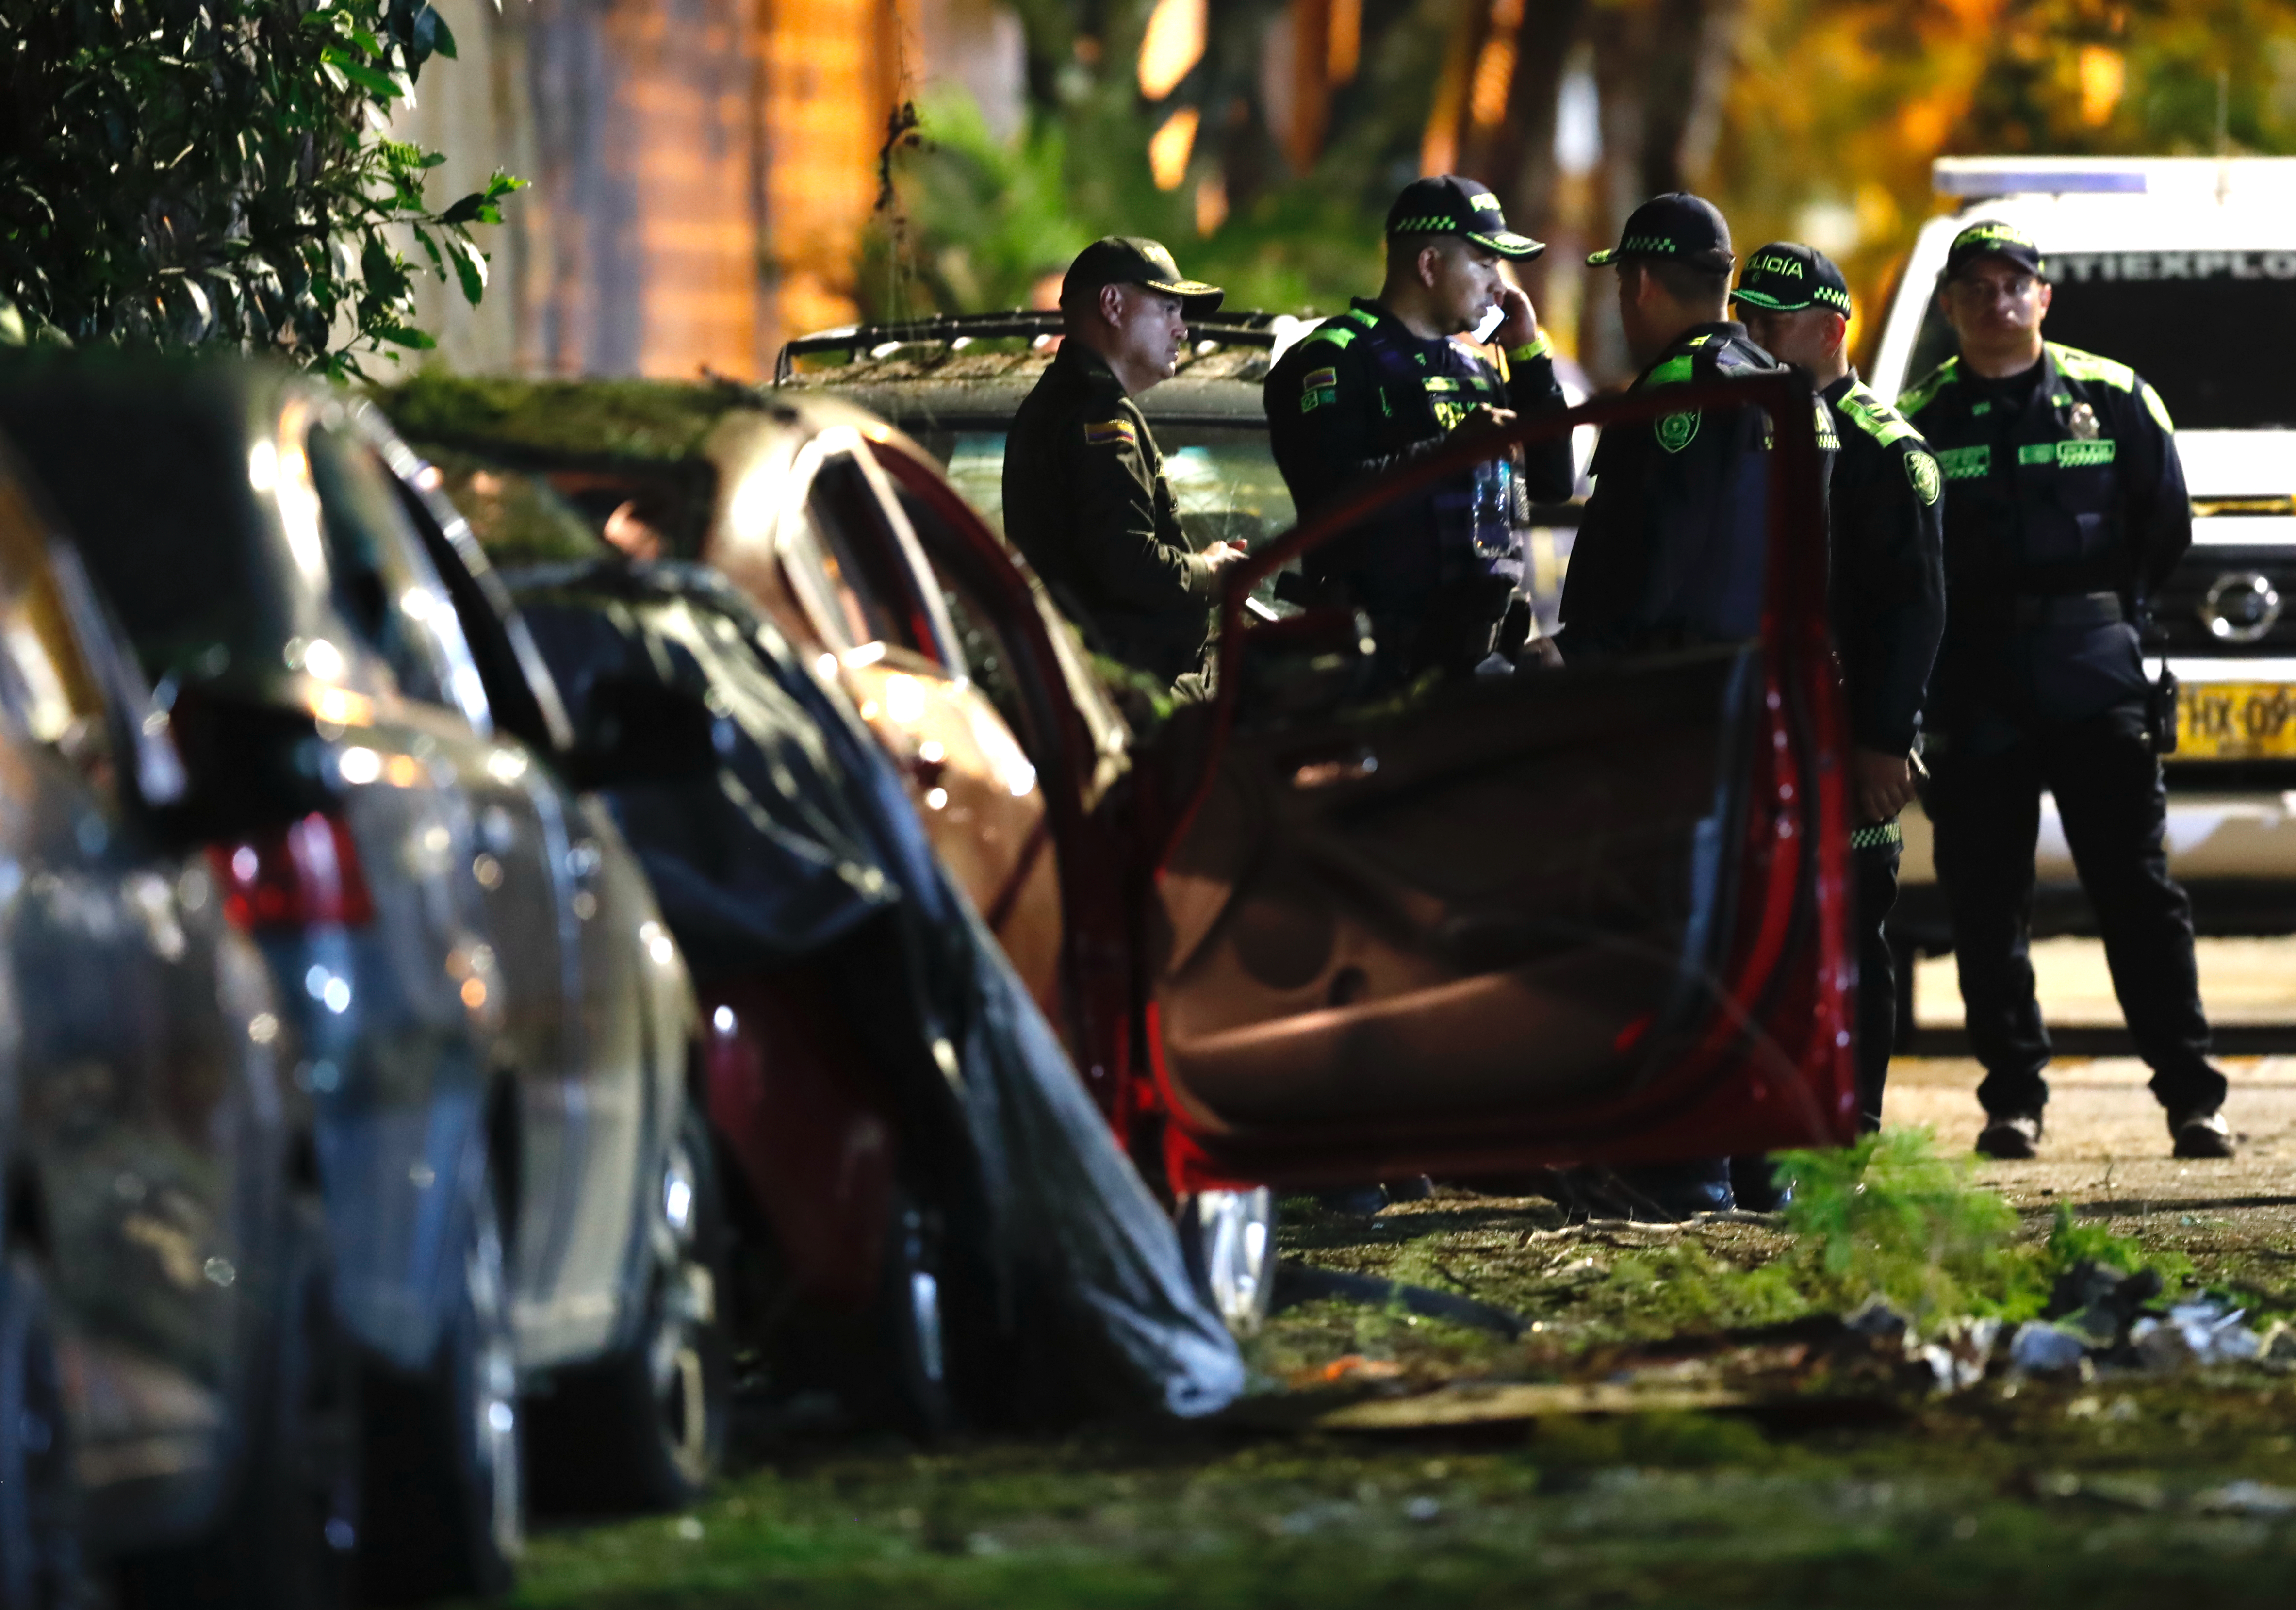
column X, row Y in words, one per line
column 445, row 1499
column 39, row 1532
column 645, row 1429
column 286, row 1542
column 1228, row 1238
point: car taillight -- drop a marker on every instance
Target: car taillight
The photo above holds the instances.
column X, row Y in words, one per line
column 301, row 876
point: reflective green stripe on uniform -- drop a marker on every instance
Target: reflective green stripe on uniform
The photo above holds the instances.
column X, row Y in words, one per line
column 1965, row 464
column 1338, row 334
column 2076, row 365
column 1827, row 441
column 1675, row 372
column 2067, row 455
column 1880, row 836
column 1924, row 392
column 1874, row 417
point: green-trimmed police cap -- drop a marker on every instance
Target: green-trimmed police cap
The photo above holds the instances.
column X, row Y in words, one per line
column 1786, row 276
column 1129, row 260
column 1679, row 225
column 1990, row 237
column 1450, row 204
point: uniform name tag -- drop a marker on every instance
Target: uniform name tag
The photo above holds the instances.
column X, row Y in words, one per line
column 2068, row 454
column 1965, row 464
column 1110, row 434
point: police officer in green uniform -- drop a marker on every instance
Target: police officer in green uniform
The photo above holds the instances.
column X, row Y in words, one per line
column 1669, row 549
column 1085, row 496
column 1887, row 596
column 2065, row 509
column 1385, row 383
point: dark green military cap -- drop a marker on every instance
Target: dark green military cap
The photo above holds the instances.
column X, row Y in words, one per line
column 1130, row 259
column 1786, row 278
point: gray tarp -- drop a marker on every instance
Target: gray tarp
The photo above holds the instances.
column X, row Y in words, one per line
column 800, row 835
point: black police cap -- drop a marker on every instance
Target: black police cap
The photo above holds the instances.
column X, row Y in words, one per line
column 1126, row 259
column 1677, row 225
column 1990, row 237
column 1786, row 278
column 1450, row 204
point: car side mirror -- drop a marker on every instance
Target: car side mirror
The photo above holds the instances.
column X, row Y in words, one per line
column 1304, row 664
column 636, row 730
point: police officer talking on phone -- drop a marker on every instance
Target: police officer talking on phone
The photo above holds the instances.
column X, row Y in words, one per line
column 1384, row 382
column 2065, row 508
column 1886, row 593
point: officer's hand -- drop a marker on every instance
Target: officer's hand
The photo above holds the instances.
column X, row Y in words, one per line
column 1880, row 785
column 1222, row 554
column 1480, row 421
column 1520, row 327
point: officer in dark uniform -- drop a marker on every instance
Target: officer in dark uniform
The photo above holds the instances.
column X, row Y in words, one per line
column 1384, row 382
column 1887, row 587
column 1669, row 548
column 2065, row 508
column 1085, row 496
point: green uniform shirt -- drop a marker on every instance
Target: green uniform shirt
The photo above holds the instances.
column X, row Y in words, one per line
column 1086, row 504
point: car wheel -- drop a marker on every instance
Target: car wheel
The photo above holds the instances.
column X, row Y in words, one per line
column 444, row 1494
column 1228, row 1238
column 39, row 1534
column 645, row 1429
column 286, row 1543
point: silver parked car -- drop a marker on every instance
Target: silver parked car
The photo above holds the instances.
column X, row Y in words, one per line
column 497, row 1031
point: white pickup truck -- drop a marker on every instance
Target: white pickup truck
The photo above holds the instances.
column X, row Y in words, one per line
column 2184, row 268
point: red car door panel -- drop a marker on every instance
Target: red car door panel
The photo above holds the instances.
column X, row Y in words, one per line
column 1578, row 914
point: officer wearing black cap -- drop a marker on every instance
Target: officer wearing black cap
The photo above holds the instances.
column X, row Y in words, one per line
column 2065, row 509
column 1085, row 496
column 1383, row 382
column 1887, row 587
column 1669, row 548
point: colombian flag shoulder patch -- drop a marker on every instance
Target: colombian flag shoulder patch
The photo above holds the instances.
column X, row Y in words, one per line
column 1111, row 432
column 1317, row 380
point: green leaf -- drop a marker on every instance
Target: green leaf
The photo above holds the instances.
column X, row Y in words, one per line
column 471, row 267
column 376, row 82
column 433, row 37
column 476, row 208
column 403, row 335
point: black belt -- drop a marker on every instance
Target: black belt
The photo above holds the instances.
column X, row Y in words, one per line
column 2066, row 609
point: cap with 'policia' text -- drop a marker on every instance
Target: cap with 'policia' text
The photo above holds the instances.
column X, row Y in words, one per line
column 1450, row 204
column 1992, row 238
column 1676, row 226
column 1124, row 259
column 1786, row 278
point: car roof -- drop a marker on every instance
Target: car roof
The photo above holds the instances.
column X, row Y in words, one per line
column 973, row 370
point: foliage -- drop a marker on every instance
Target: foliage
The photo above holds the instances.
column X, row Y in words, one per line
column 1838, row 107
column 175, row 173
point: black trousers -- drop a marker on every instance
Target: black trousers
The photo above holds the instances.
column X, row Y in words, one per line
column 1986, row 808
column 1875, row 868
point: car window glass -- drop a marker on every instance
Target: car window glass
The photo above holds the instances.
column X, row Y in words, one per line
column 381, row 583
column 847, row 553
column 46, row 684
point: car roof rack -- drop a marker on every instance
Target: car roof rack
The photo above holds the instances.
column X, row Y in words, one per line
column 1246, row 327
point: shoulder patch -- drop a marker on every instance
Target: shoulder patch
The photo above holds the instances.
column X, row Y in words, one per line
column 1822, row 420
column 1676, row 430
column 2077, row 364
column 1921, row 470
column 1315, row 379
column 1924, row 391
column 1111, row 433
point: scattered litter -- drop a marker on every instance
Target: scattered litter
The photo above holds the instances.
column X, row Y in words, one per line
column 2041, row 1349
column 2194, row 1334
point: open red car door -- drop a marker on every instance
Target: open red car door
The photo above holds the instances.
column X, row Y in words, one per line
column 1592, row 913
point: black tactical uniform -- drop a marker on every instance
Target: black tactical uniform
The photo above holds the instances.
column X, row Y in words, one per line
column 2065, row 504
column 1669, row 549
column 1085, row 496
column 1886, row 591
column 1360, row 394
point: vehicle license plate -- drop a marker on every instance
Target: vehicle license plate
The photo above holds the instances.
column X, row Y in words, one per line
column 2236, row 720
